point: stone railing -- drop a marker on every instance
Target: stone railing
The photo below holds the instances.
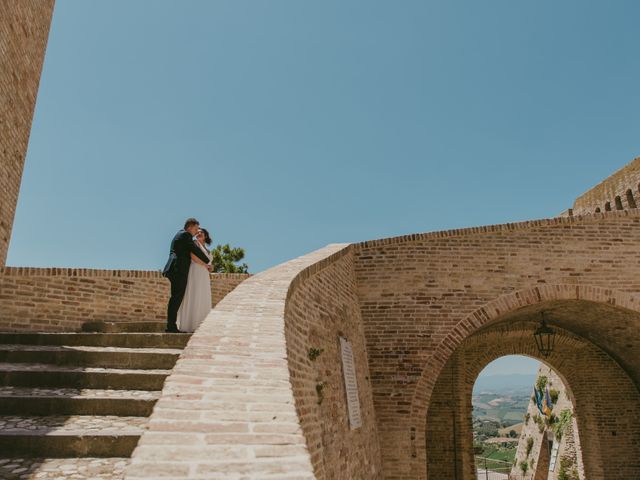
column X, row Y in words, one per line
column 62, row 299
column 242, row 400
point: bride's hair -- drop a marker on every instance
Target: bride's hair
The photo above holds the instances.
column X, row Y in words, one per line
column 207, row 238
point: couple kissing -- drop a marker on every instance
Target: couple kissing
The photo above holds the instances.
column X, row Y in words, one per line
column 188, row 271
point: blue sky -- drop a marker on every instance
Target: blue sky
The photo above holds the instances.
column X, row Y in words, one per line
column 287, row 125
column 511, row 364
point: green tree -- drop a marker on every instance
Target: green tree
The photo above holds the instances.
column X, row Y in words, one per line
column 225, row 259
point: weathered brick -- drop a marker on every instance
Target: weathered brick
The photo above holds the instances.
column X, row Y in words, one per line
column 24, row 29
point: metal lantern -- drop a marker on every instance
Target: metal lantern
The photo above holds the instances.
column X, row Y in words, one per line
column 545, row 338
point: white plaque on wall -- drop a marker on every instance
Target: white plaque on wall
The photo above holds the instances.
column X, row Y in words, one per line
column 350, row 384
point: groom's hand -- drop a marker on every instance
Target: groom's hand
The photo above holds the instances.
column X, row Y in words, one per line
column 210, row 268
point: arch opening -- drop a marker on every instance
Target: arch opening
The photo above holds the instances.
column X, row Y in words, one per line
column 524, row 423
column 604, row 396
column 631, row 201
column 500, row 399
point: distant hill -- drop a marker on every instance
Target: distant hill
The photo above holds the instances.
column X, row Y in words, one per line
column 504, row 383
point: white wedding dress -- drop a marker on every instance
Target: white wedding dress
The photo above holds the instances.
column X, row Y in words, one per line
column 196, row 303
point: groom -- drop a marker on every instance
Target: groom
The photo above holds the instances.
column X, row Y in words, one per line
column 177, row 268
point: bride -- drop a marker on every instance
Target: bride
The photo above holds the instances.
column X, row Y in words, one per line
column 196, row 303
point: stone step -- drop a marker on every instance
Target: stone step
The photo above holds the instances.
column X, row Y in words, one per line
column 69, row 436
column 44, row 375
column 74, row 401
column 58, row 468
column 107, row 357
column 125, row 340
column 124, row 327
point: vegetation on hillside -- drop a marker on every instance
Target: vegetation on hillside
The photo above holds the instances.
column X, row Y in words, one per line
column 498, row 415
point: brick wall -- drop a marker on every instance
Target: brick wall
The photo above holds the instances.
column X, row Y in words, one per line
column 422, row 295
column 242, row 398
column 318, row 312
column 62, row 299
column 24, row 29
column 619, row 191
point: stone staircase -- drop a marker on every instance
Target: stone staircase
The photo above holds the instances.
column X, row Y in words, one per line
column 73, row 405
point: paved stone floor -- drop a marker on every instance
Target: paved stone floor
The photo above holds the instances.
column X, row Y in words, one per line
column 103, row 424
column 79, row 393
column 45, row 367
column 82, row 348
column 62, row 468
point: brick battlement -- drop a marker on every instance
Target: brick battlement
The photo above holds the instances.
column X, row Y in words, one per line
column 619, row 191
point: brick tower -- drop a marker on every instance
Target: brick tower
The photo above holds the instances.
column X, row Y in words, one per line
column 24, row 29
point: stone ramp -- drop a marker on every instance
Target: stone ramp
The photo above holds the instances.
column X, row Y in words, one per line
column 74, row 405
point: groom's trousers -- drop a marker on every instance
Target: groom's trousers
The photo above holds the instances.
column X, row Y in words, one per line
column 178, row 287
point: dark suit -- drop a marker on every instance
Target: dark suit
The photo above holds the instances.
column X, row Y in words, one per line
column 177, row 271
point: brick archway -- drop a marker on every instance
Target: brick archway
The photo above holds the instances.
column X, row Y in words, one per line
column 449, row 439
column 482, row 318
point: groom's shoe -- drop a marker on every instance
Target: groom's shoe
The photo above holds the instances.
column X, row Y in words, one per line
column 172, row 330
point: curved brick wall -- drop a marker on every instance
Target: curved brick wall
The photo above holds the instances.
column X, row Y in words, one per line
column 241, row 401
column 62, row 299
column 318, row 311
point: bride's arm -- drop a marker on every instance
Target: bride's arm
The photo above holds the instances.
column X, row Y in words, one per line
column 198, row 261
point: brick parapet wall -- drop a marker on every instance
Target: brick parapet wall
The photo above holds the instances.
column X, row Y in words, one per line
column 623, row 184
column 232, row 406
column 24, row 29
column 62, row 299
column 524, row 226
